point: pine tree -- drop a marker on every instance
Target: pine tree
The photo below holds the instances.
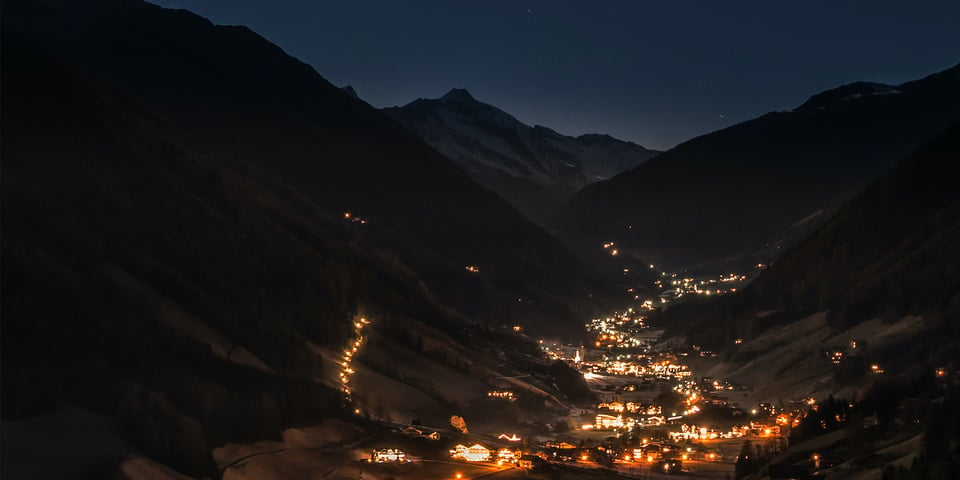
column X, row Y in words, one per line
column 746, row 461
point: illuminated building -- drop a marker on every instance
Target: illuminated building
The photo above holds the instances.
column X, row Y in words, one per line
column 389, row 455
column 609, row 421
column 477, row 453
column 506, row 455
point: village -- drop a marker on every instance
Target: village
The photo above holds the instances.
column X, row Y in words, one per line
column 652, row 416
column 674, row 286
column 645, row 408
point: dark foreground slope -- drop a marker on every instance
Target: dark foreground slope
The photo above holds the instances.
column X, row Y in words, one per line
column 176, row 293
column 239, row 99
column 738, row 194
column 892, row 252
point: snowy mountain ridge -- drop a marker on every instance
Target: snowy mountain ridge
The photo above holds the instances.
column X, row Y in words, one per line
column 533, row 167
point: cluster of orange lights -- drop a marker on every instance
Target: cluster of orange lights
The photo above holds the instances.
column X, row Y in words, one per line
column 639, row 455
column 609, row 246
column 501, row 394
column 348, row 353
column 349, row 216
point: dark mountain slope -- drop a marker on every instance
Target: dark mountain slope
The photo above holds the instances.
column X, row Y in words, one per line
column 198, row 302
column 176, row 293
column 237, row 98
column 535, row 168
column 721, row 197
column 891, row 252
column 865, row 310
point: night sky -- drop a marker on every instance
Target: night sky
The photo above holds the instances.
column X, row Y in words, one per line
column 656, row 73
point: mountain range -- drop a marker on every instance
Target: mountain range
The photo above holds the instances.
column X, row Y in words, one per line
column 534, row 168
column 889, row 253
column 738, row 196
column 196, row 226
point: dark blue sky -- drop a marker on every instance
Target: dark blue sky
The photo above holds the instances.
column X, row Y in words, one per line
column 657, row 73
